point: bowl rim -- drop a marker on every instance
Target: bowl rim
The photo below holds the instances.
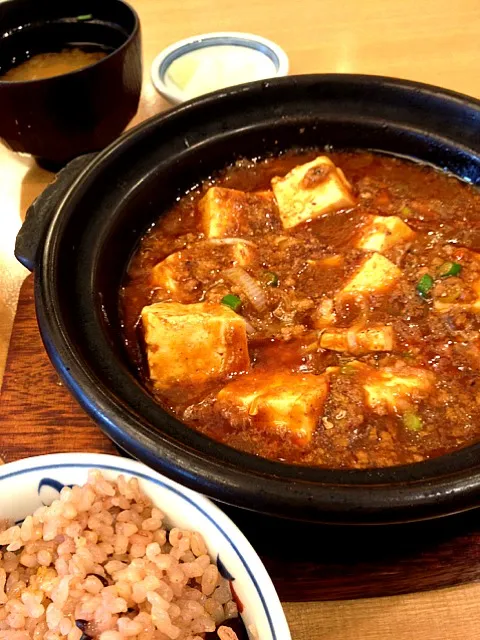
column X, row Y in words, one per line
column 424, row 489
column 172, row 52
column 240, row 544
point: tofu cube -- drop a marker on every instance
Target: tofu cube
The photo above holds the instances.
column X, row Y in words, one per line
column 175, row 275
column 383, row 232
column 167, row 275
column 375, row 275
column 281, row 403
column 358, row 341
column 192, row 344
column 329, row 262
column 229, row 212
column 311, row 190
column 242, row 253
column 389, row 390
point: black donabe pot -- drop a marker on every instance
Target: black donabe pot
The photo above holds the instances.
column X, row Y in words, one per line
column 79, row 238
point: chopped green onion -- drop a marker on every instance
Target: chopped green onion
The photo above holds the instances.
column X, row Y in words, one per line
column 270, row 279
column 412, row 422
column 424, row 285
column 406, row 212
column 231, row 301
column 85, row 16
column 448, row 269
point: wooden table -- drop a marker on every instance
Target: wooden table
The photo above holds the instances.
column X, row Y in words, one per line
column 432, row 41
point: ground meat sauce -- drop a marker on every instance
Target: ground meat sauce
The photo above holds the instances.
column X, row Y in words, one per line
column 385, row 406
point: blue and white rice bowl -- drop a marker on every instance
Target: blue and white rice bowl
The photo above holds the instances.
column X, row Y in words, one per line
column 30, row 483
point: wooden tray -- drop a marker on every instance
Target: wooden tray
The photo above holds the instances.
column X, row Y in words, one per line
column 307, row 563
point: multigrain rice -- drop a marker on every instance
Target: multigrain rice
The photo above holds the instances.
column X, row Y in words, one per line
column 100, row 563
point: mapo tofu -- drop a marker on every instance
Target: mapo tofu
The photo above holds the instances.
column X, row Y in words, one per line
column 316, row 309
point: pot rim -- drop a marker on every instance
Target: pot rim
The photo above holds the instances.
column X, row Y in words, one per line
column 422, row 489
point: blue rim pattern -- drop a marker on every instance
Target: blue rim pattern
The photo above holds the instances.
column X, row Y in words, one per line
column 53, row 484
column 169, row 488
column 215, row 42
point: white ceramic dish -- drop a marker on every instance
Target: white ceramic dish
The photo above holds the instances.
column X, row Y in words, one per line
column 214, row 61
column 27, row 484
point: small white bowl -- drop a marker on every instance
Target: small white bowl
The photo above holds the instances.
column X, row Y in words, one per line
column 28, row 484
column 213, row 61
